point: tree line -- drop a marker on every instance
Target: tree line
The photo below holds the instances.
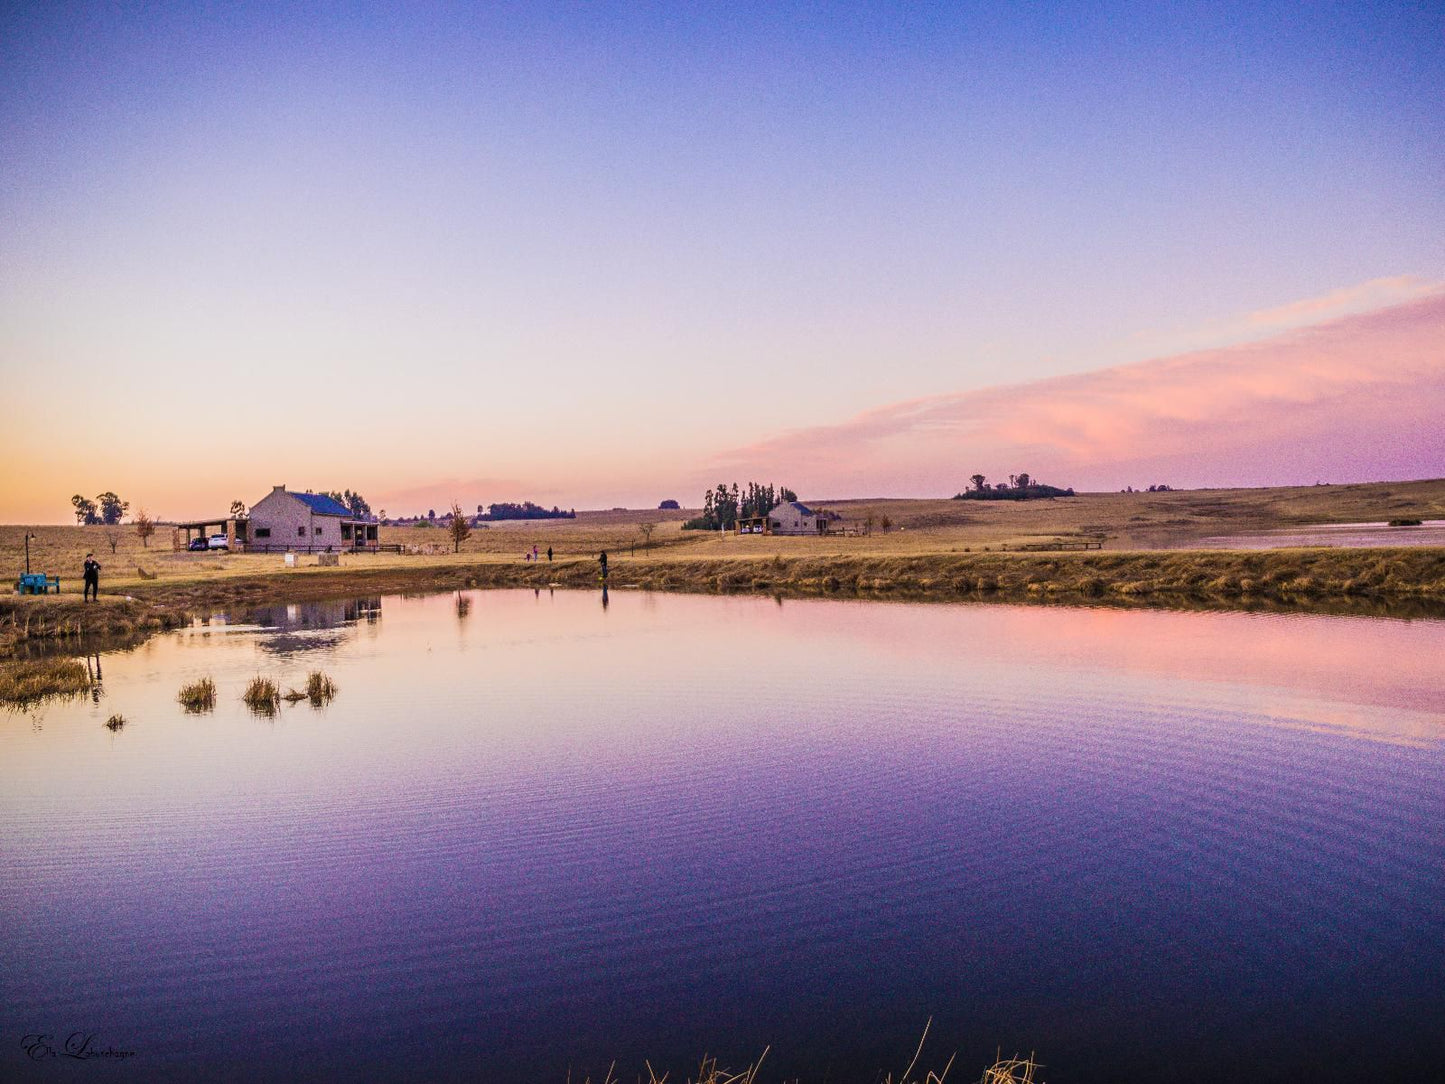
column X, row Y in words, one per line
column 525, row 510
column 1019, row 487
column 723, row 507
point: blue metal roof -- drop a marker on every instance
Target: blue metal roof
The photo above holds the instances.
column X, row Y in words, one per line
column 323, row 505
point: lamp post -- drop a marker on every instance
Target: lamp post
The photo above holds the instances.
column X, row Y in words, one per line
column 28, row 537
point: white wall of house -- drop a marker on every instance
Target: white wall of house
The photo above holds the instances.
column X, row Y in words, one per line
column 788, row 518
column 280, row 521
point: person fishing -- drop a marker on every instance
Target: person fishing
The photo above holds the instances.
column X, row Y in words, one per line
column 92, row 578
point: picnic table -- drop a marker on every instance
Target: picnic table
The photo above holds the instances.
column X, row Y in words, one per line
column 36, row 583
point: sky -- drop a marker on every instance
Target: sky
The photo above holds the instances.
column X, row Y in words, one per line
column 607, row 254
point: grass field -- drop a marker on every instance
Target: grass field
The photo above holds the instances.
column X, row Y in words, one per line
column 934, row 548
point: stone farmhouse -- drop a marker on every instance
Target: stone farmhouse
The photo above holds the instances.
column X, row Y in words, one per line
column 791, row 517
column 306, row 523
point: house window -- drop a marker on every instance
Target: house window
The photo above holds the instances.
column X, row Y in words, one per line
column 300, row 532
column 263, row 532
column 315, row 530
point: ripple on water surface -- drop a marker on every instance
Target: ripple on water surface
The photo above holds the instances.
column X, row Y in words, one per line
column 533, row 834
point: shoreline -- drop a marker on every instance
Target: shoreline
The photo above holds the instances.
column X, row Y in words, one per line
column 1405, row 582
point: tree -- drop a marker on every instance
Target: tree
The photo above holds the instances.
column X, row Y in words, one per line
column 1023, row 482
column 458, row 527
column 144, row 527
column 885, row 523
column 669, row 505
column 785, row 495
column 647, row 529
column 238, row 509
column 84, row 511
column 112, row 536
column 978, row 481
column 112, row 508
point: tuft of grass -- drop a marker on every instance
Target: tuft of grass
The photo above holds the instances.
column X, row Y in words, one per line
column 319, row 687
column 198, row 696
column 262, row 695
column 1013, row 1070
column 293, row 695
column 31, row 680
column 1405, row 522
column 115, row 722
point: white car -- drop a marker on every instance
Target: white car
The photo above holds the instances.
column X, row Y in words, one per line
column 218, row 542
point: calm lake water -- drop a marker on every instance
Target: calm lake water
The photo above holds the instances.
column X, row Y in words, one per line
column 533, row 835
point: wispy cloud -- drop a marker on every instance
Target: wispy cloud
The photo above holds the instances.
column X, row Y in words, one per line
column 1374, row 294
column 1358, row 397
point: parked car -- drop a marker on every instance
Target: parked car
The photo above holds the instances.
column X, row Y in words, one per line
column 218, row 542
column 196, row 544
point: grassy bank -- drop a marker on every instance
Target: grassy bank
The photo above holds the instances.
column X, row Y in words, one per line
column 1410, row 581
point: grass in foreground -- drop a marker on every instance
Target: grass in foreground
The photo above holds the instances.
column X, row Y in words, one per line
column 198, row 696
column 115, row 722
column 1013, row 1070
column 28, row 681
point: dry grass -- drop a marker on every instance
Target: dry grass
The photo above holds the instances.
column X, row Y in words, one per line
column 262, row 695
column 28, row 681
column 1013, row 1070
column 115, row 722
column 1003, row 1071
column 1124, row 521
column 198, row 696
column 320, row 689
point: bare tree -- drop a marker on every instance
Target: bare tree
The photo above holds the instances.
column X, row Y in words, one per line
column 112, row 536
column 238, row 509
column 647, row 529
column 885, row 523
column 144, row 527
column 978, row 480
column 458, row 526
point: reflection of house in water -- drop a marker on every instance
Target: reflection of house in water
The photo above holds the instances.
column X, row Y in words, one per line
column 308, row 626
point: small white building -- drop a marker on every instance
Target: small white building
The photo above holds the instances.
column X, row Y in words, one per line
column 794, row 517
column 308, row 523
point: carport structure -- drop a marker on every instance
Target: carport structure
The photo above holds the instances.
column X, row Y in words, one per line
column 235, row 528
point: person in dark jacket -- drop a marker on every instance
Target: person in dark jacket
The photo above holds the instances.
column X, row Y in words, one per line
column 92, row 578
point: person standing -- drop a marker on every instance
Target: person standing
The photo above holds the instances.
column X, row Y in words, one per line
column 92, row 578
column 603, row 561
column 549, row 555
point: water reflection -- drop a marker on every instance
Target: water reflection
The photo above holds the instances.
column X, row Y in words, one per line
column 323, row 625
column 1202, row 840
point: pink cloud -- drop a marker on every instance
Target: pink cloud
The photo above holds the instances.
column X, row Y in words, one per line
column 1360, row 397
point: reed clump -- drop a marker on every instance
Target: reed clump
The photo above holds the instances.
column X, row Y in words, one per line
column 319, row 687
column 115, row 722
column 262, row 695
column 26, row 681
column 198, row 696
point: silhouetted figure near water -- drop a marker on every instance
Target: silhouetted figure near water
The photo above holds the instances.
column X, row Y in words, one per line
column 549, row 555
column 92, row 578
column 602, row 560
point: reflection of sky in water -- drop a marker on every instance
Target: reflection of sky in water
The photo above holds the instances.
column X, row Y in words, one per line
column 534, row 833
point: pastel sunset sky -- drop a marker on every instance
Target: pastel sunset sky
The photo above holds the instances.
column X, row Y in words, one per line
column 604, row 254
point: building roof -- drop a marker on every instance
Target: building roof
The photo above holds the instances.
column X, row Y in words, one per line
column 322, row 505
column 802, row 508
